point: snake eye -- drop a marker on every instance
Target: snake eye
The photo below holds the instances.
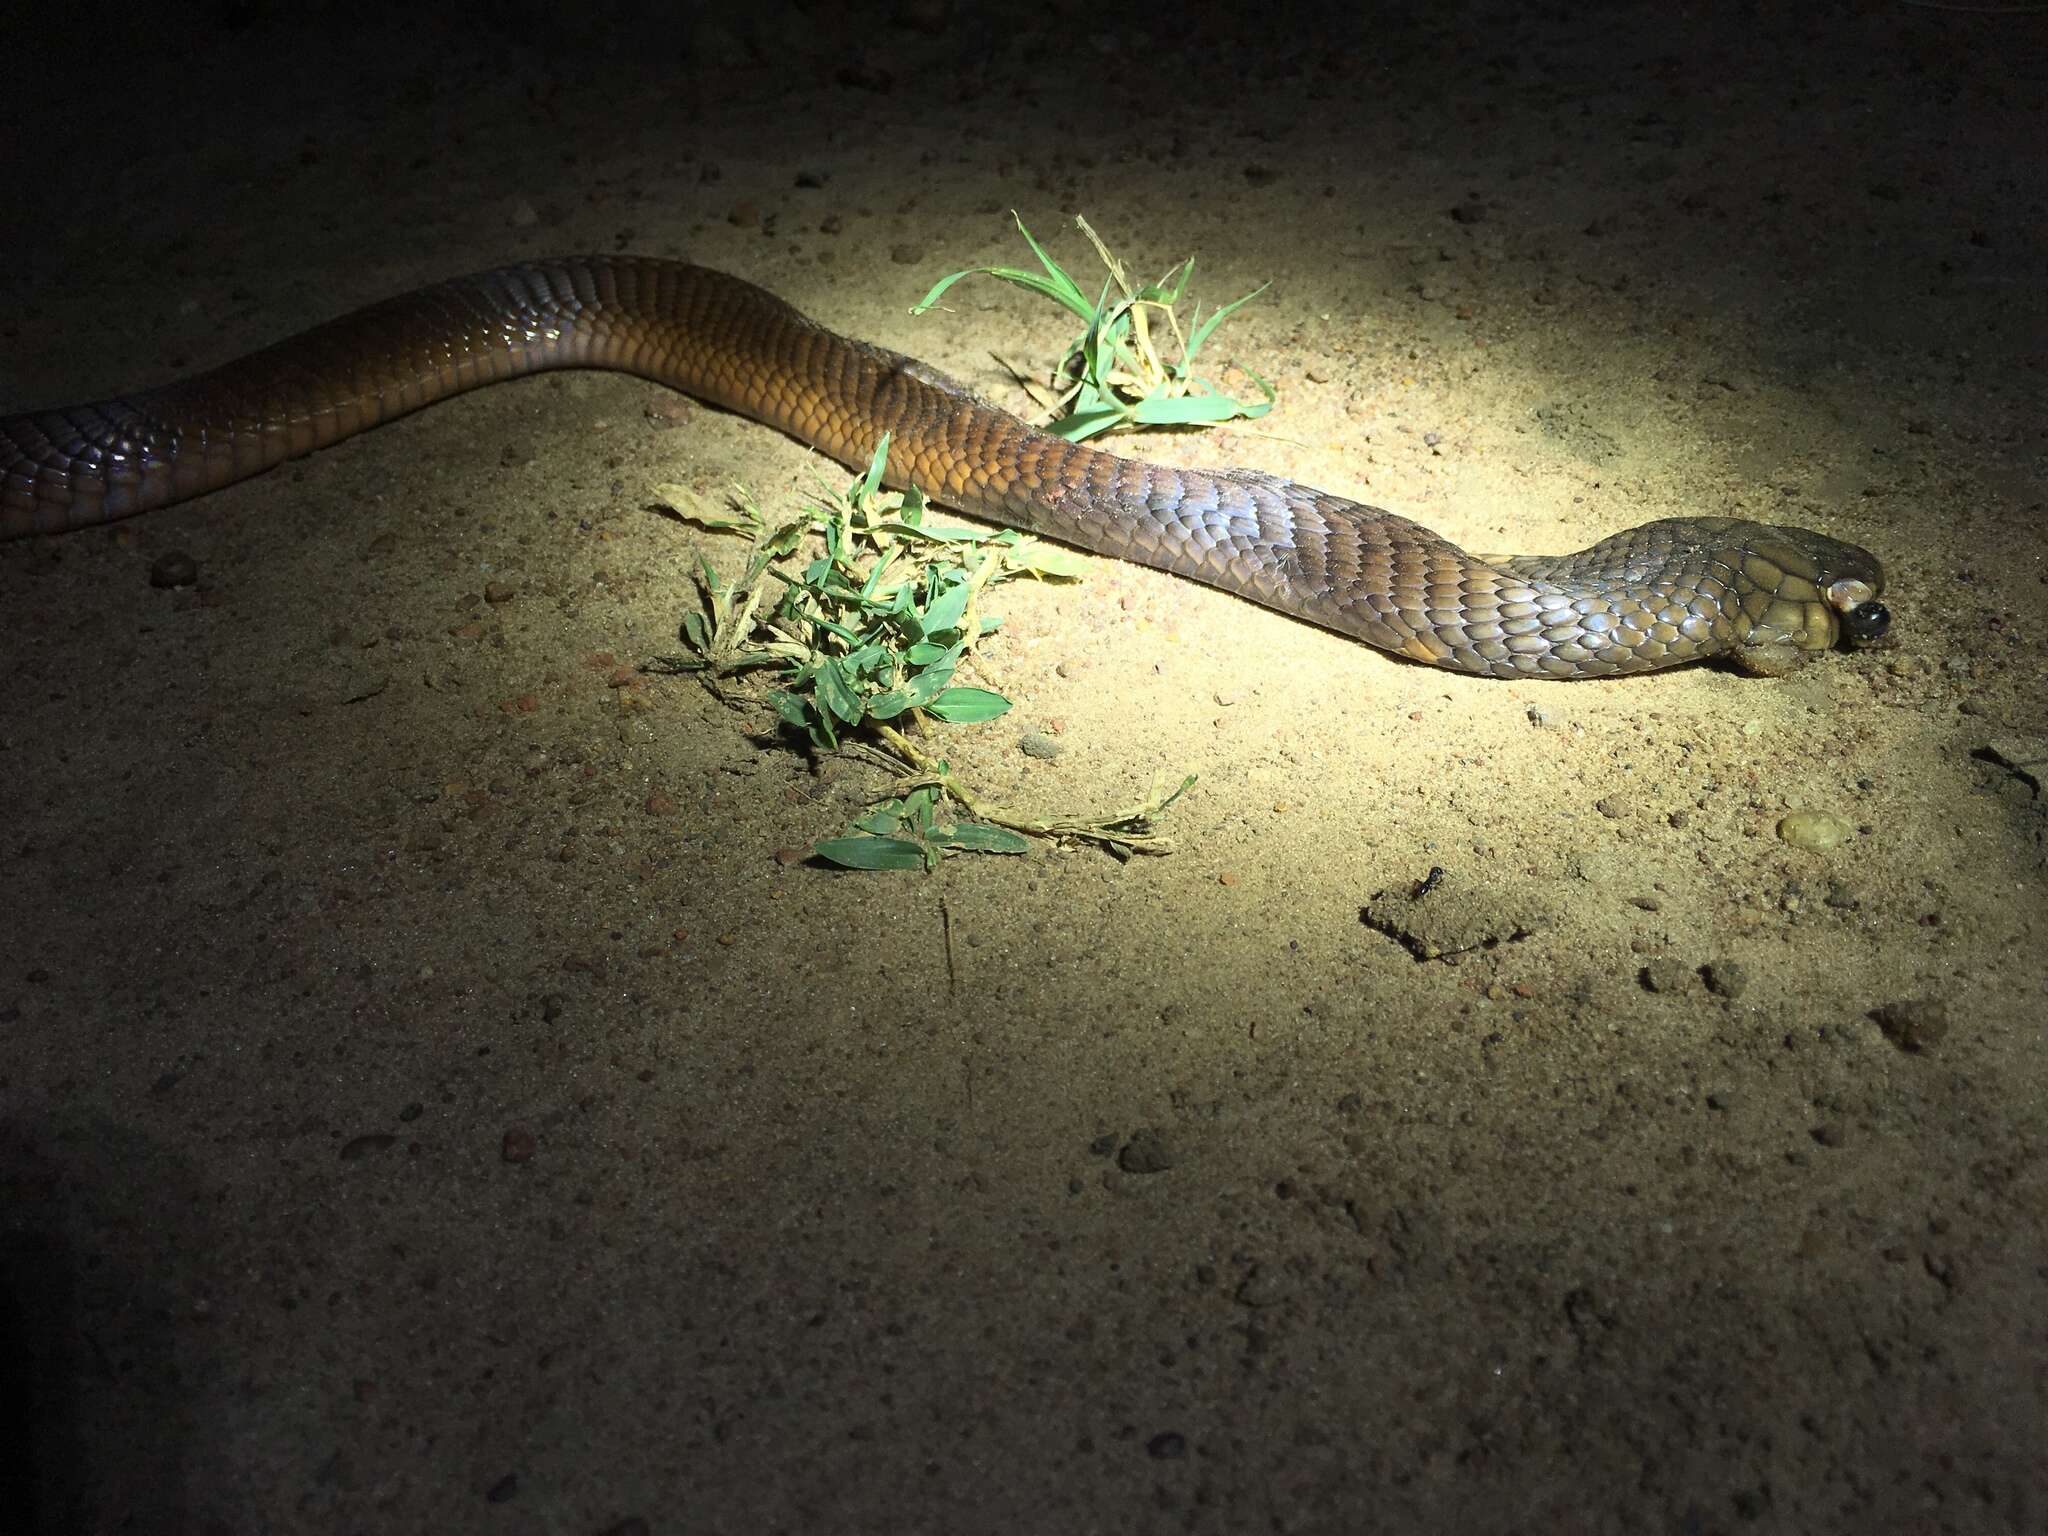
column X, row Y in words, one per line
column 1867, row 620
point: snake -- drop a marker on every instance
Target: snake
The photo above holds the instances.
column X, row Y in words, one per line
column 1760, row 595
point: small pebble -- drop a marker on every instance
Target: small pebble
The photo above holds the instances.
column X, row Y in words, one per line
column 1151, row 1149
column 1915, row 1024
column 1816, row 831
column 1666, row 975
column 1725, row 978
column 1266, row 1285
column 173, row 568
column 863, row 75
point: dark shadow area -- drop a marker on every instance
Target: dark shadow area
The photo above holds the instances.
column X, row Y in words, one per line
column 97, row 1247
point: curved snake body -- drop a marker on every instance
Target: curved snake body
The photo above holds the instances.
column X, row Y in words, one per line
column 1663, row 593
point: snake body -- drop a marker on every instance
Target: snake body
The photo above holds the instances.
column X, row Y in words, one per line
column 1663, row 593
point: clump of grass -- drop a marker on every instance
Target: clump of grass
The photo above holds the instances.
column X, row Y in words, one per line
column 863, row 637
column 1114, row 374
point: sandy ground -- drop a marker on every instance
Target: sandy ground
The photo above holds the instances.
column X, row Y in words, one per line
column 430, row 1103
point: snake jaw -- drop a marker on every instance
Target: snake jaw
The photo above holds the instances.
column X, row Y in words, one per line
column 1788, row 635
column 1799, row 616
column 1810, row 593
column 1793, row 631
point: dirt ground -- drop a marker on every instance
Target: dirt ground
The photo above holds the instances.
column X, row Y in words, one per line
column 435, row 1098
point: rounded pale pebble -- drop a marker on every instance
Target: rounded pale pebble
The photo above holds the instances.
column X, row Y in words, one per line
column 1816, row 831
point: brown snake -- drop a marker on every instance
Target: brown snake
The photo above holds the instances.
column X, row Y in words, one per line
column 1666, row 592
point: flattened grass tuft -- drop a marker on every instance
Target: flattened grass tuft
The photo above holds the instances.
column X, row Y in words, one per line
column 864, row 636
column 1113, row 376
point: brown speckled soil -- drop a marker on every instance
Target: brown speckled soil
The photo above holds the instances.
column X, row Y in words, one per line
column 430, row 1105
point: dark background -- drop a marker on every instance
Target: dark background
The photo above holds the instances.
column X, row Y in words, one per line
column 813, row 1240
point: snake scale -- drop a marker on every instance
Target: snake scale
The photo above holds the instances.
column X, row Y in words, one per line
column 1667, row 592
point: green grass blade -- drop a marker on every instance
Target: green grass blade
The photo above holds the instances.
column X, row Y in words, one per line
column 1170, row 289
column 936, row 534
column 968, row 706
column 945, row 612
column 1053, row 283
column 1048, row 560
column 1082, row 425
column 1202, row 331
column 890, row 703
column 872, row 853
column 1196, row 410
column 882, row 820
column 872, row 480
column 835, row 691
column 1064, row 288
column 980, row 837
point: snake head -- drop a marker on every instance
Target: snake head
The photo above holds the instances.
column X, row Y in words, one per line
column 1803, row 592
